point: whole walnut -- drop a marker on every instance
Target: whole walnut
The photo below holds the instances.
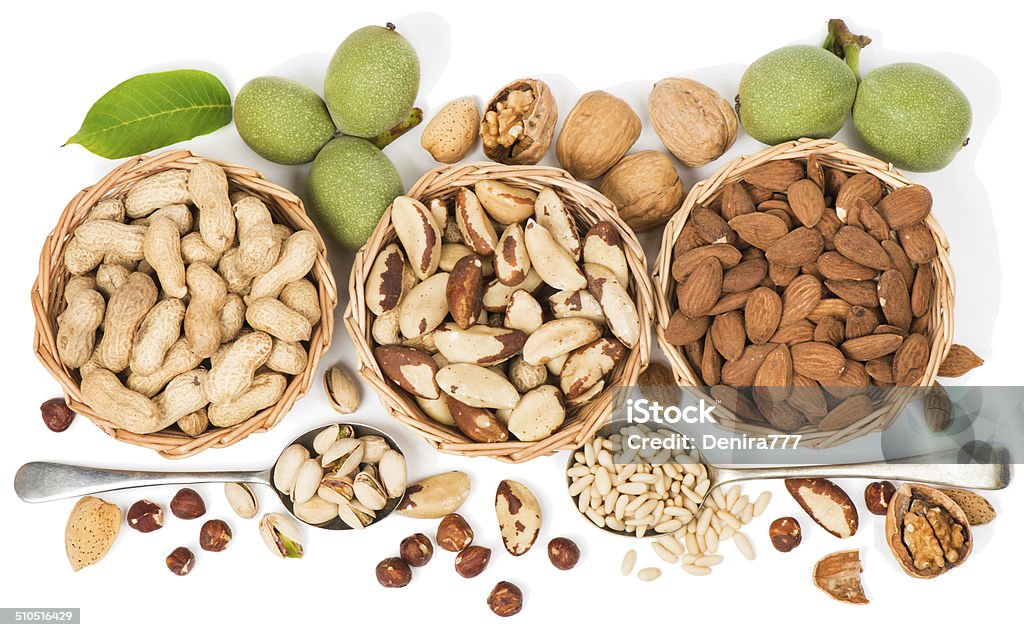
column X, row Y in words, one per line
column 645, row 188
column 596, row 133
column 693, row 121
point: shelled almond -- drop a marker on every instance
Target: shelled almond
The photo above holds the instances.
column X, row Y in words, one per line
column 800, row 279
column 497, row 312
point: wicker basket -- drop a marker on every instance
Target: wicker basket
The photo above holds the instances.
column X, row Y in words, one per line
column 588, row 207
column 831, row 154
column 48, row 301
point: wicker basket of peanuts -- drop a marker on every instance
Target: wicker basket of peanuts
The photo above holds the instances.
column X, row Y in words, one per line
column 495, row 310
column 183, row 303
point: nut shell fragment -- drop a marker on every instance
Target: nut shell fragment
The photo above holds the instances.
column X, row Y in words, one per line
column 838, row 574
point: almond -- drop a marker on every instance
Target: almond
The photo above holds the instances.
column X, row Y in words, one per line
column 860, row 322
column 921, row 293
column 759, row 228
column 780, row 414
column 834, row 180
column 894, row 299
column 761, row 315
column 910, row 360
column 906, row 206
column 864, row 216
column 866, row 348
column 728, row 334
column 775, row 375
column 977, row 509
column 815, row 171
column 860, row 186
column 728, row 302
column 711, row 227
column 465, row 290
column 687, row 240
column 863, row 293
column 857, row 245
column 899, row 260
column 808, row 398
column 781, row 274
column 511, row 259
column 826, row 503
column 745, row 275
column 792, row 333
column 819, row 361
column 92, row 527
column 833, row 265
column 757, row 194
column 741, row 373
column 711, row 362
column 775, row 176
column 853, row 381
column 807, row 201
column 797, row 248
column 800, row 298
column 830, row 330
column 733, row 400
column 830, row 307
column 828, row 226
column 684, row 266
column 735, row 201
column 918, row 243
column 959, row 361
column 851, row 410
column 698, row 294
column 682, row 329
column 880, row 370
column 412, row 369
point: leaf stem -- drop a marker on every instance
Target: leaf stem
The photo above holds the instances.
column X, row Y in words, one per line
column 411, row 121
column 845, row 44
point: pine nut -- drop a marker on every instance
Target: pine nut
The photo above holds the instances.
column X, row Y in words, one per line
column 689, row 558
column 693, row 569
column 748, row 514
column 578, row 471
column 726, row 534
column 744, row 545
column 719, row 498
column 729, row 519
column 628, row 562
column 702, row 487
column 578, row 485
column 673, row 545
column 731, row 497
column 704, row 521
column 614, row 524
column 627, row 472
column 595, row 517
column 589, row 454
column 632, row 488
column 691, row 544
column 646, row 478
column 664, row 553
column 649, row 574
column 641, row 531
column 740, row 504
column 762, row 502
column 709, row 560
column 602, row 481
column 711, row 541
column 668, row 527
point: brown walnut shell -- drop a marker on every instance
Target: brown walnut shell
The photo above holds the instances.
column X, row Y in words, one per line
column 538, row 125
column 645, row 189
column 693, row 121
column 927, row 532
column 596, row 133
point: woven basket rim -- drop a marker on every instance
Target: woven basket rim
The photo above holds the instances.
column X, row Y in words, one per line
column 589, row 417
column 833, row 154
column 47, row 293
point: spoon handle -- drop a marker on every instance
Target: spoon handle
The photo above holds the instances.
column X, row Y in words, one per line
column 46, row 481
column 935, row 468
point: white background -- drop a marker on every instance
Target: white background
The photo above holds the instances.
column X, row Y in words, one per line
column 58, row 60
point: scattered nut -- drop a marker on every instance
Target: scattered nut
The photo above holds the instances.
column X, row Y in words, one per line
column 563, row 553
column 145, row 516
column 215, row 536
column 342, row 390
column 242, row 499
column 692, row 120
column 472, row 560
column 505, row 600
column 927, row 531
column 977, row 509
column 188, row 505
column 838, row 574
column 454, row 533
column 180, row 561
column 826, row 503
column 57, row 416
column 416, row 550
column 394, row 572
column 92, row 527
column 877, row 496
column 451, row 133
column 785, row 534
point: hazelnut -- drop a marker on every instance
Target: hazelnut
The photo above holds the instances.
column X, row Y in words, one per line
column 785, row 534
column 563, row 553
column 145, row 516
column 454, row 533
column 505, row 599
column 394, row 572
column 416, row 550
column 57, row 416
column 180, row 561
column 215, row 536
column 877, row 496
column 188, row 505
column 472, row 560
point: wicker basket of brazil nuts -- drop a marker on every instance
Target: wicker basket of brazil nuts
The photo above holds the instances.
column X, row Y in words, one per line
column 879, row 373
column 48, row 300
column 586, row 208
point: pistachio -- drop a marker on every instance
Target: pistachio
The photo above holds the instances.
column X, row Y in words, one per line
column 576, row 303
column 342, row 390
column 242, row 499
column 343, row 457
column 393, row 473
column 287, row 467
column 518, row 515
column 558, row 337
column 477, row 386
column 479, row 344
column 281, row 535
column 316, row 510
column 307, row 479
column 505, row 204
column 418, row 232
column 373, row 448
column 555, row 265
column 354, row 515
column 368, row 489
column 618, row 307
column 424, row 307
column 329, row 435
column 552, row 215
column 476, row 229
column 511, row 259
column 540, row 413
column 336, row 487
column 436, row 496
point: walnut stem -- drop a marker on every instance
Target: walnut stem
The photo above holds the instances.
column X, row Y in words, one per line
column 411, row 121
column 845, row 44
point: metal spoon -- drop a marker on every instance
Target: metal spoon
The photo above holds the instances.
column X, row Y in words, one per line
column 935, row 468
column 47, row 481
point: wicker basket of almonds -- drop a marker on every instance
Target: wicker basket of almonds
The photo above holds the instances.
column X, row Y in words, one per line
column 808, row 289
column 496, row 308
column 183, row 303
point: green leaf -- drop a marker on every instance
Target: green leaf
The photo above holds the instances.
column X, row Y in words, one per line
column 154, row 110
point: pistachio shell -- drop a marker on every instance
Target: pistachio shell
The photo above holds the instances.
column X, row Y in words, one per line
column 393, row 473
column 373, row 448
column 368, row 489
column 281, row 535
column 344, row 456
column 287, row 467
column 307, row 479
column 242, row 499
column 316, row 510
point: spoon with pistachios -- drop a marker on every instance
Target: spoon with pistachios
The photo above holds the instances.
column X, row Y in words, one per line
column 338, row 477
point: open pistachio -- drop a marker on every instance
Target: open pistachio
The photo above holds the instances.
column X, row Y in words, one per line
column 373, row 448
column 316, row 510
column 242, row 499
column 368, row 489
column 287, row 468
column 281, row 535
column 342, row 390
column 392, row 473
column 330, row 435
column 344, row 456
column 354, row 514
column 335, row 487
